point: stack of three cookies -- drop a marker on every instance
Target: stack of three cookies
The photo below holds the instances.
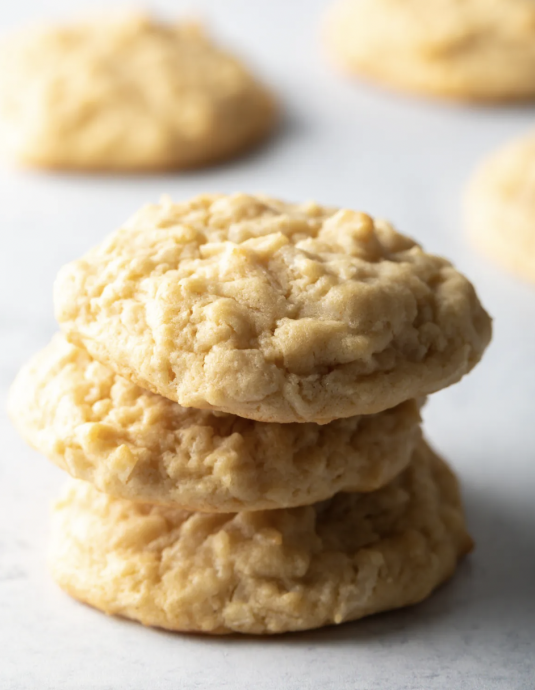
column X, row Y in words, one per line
column 237, row 392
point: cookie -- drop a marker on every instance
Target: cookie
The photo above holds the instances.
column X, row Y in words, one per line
column 126, row 93
column 263, row 572
column 138, row 445
column 500, row 207
column 463, row 49
column 272, row 311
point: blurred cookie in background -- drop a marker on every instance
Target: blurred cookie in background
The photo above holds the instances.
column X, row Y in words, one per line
column 465, row 49
column 126, row 93
column 500, row 207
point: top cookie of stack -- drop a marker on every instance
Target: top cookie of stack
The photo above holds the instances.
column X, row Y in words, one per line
column 272, row 311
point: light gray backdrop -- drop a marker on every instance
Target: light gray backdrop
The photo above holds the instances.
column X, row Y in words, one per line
column 341, row 143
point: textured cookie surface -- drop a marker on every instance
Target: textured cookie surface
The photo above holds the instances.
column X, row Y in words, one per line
column 272, row 311
column 263, row 572
column 468, row 49
column 126, row 93
column 500, row 207
column 140, row 445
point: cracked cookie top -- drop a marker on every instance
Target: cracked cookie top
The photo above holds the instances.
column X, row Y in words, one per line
column 273, row 311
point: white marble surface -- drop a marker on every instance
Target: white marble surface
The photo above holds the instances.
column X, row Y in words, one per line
column 341, row 144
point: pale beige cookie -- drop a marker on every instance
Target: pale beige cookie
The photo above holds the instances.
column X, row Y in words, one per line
column 272, row 311
column 264, row 572
column 466, row 49
column 126, row 93
column 500, row 207
column 139, row 445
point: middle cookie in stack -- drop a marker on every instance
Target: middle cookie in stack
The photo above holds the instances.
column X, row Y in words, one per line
column 135, row 444
column 321, row 329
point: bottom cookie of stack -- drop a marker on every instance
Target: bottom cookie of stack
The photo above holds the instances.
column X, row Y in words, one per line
column 262, row 572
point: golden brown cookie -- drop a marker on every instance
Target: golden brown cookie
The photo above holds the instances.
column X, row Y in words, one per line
column 126, row 93
column 272, row 311
column 466, row 49
column 138, row 445
column 263, row 572
column 500, row 207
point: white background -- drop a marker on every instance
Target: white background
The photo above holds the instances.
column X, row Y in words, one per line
column 341, row 143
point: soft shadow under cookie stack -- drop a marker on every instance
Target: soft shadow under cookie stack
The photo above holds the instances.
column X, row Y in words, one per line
column 236, row 392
